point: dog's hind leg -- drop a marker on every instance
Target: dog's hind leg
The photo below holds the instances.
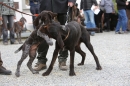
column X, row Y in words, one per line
column 24, row 55
column 32, row 55
column 83, row 54
column 90, row 47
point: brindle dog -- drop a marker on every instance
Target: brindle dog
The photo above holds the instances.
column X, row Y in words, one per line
column 69, row 37
column 18, row 28
column 30, row 46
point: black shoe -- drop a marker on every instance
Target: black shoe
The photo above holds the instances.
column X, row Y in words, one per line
column 5, row 43
column 3, row 71
column 13, row 43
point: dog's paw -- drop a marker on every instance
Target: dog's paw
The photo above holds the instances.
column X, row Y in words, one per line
column 72, row 74
column 17, row 74
column 45, row 74
column 99, row 68
column 80, row 64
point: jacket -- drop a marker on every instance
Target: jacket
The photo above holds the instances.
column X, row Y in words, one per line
column 87, row 4
column 121, row 4
column 6, row 11
column 34, row 2
column 57, row 6
column 108, row 5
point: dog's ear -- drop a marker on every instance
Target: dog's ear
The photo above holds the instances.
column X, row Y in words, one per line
column 36, row 21
column 52, row 14
column 60, row 41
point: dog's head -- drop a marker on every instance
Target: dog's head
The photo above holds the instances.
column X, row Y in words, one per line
column 22, row 19
column 53, row 31
column 45, row 17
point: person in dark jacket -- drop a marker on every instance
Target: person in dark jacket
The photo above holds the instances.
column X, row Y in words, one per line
column 88, row 13
column 122, row 17
column 60, row 7
column 128, row 15
column 3, row 70
column 34, row 8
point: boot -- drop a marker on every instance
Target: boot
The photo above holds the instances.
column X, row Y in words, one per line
column 3, row 71
column 40, row 67
column 62, row 66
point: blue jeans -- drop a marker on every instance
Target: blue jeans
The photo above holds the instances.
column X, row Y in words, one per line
column 122, row 20
column 89, row 20
column 10, row 20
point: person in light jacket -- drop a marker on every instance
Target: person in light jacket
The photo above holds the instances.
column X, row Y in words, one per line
column 109, row 9
column 7, row 16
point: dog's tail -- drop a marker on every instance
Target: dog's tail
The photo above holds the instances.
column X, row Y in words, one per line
column 20, row 48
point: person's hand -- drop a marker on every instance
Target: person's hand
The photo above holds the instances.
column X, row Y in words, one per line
column 80, row 11
column 127, row 3
column 0, row 18
column 14, row 17
column 96, row 7
column 70, row 4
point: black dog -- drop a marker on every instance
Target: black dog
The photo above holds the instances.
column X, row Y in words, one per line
column 69, row 37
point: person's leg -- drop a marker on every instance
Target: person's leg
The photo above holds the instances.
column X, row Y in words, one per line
column 87, row 20
column 64, row 53
column 42, row 52
column 124, row 20
column 91, row 17
column 11, row 24
column 33, row 11
column 5, row 30
column 107, row 19
column 3, row 70
column 119, row 24
column 128, row 15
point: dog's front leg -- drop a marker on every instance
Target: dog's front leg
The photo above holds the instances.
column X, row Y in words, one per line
column 55, row 54
column 72, row 54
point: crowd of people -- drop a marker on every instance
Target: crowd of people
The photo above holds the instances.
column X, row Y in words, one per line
column 102, row 20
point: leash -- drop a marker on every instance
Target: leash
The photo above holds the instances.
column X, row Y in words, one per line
column 67, row 19
column 14, row 9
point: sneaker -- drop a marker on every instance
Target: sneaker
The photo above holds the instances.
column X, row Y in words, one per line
column 5, row 43
column 117, row 32
column 62, row 66
column 40, row 67
column 92, row 33
column 13, row 43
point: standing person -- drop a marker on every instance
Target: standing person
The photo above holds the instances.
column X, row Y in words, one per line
column 60, row 7
column 3, row 70
column 88, row 13
column 7, row 16
column 34, row 8
column 128, row 15
column 109, row 9
column 122, row 17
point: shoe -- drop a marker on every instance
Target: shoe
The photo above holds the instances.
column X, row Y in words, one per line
column 3, row 71
column 117, row 32
column 92, row 33
column 13, row 43
column 62, row 66
column 40, row 67
column 5, row 43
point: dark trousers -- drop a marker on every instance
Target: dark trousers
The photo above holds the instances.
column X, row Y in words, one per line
column 1, row 62
column 10, row 20
column 43, row 47
column 34, row 10
column 107, row 20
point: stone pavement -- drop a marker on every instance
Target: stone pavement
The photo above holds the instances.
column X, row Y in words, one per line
column 113, row 51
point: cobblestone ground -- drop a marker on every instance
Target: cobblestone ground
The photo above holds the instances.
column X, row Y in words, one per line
column 113, row 51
